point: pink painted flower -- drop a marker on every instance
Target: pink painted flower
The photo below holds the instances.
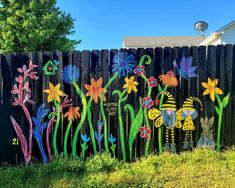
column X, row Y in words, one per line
column 139, row 70
column 26, row 87
column 15, row 90
column 152, row 82
column 147, row 102
column 145, row 132
column 33, row 76
column 19, row 79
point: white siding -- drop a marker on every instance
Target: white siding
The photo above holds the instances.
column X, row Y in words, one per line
column 228, row 37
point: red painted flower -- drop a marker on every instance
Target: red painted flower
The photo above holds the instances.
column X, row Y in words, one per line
column 152, row 82
column 139, row 70
column 147, row 102
column 145, row 132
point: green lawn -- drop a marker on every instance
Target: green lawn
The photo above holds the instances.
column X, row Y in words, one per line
column 200, row 168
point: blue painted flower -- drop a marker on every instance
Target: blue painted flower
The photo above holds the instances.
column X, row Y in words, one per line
column 40, row 126
column 98, row 135
column 85, row 138
column 123, row 64
column 71, row 74
column 186, row 70
column 112, row 139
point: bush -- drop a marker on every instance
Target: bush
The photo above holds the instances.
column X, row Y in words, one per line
column 200, row 168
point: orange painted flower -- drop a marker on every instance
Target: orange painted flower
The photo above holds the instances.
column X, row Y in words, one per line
column 169, row 79
column 211, row 89
column 54, row 93
column 130, row 84
column 95, row 90
column 73, row 113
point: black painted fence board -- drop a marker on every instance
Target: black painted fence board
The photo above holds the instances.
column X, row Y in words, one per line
column 212, row 61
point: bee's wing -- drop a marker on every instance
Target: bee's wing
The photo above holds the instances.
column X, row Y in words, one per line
column 153, row 113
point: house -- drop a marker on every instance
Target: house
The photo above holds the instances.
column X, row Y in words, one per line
column 225, row 35
column 50, row 68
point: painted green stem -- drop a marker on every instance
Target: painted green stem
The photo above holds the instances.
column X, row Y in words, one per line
column 106, row 145
column 57, row 105
column 121, row 130
column 219, row 110
column 66, row 138
column 83, row 117
column 146, row 116
column 135, row 126
column 147, row 60
column 220, row 116
column 160, row 128
column 84, row 148
column 113, row 146
column 92, row 135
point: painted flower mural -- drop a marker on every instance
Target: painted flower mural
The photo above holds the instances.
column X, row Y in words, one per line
column 135, row 119
column 22, row 95
column 84, row 145
column 130, row 84
column 147, row 102
column 215, row 92
column 139, row 70
column 42, row 112
column 54, row 94
column 145, row 132
column 152, row 82
column 95, row 90
column 211, row 88
column 72, row 114
column 71, row 74
column 169, row 79
column 185, row 69
column 123, row 63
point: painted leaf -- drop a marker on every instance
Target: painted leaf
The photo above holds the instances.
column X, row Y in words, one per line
column 225, row 100
column 23, row 142
column 159, row 88
column 131, row 111
column 136, row 124
column 217, row 110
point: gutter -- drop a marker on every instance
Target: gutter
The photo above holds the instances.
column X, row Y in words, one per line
column 209, row 40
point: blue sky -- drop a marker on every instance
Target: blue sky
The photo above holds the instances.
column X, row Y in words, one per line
column 102, row 24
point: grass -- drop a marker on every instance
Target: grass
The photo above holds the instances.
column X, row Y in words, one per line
column 200, row 168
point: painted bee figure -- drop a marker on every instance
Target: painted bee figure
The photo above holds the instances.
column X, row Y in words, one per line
column 169, row 117
column 189, row 113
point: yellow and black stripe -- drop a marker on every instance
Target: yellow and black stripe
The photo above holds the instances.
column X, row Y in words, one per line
column 170, row 103
column 188, row 103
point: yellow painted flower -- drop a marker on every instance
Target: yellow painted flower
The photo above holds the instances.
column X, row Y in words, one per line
column 95, row 89
column 211, row 89
column 73, row 113
column 130, row 84
column 54, row 92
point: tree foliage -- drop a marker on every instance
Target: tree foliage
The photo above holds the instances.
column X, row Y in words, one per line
column 34, row 25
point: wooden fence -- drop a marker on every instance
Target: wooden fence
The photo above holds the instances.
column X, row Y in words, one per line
column 213, row 61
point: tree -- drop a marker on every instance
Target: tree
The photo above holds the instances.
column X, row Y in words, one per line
column 34, row 25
